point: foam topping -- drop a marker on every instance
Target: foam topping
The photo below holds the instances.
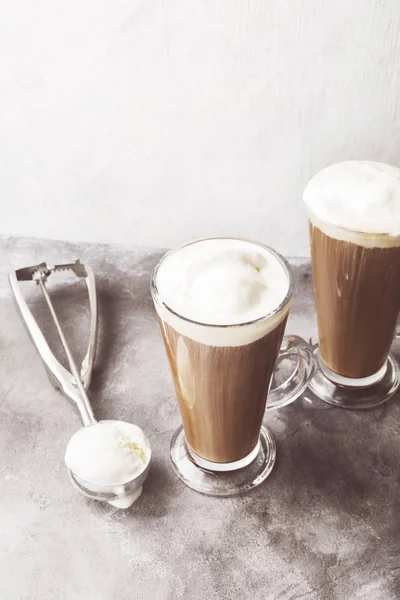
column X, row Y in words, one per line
column 359, row 195
column 222, row 281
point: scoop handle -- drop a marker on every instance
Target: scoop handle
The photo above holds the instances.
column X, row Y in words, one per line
column 82, row 399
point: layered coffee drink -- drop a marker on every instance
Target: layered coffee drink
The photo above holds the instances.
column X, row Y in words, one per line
column 222, row 306
column 354, row 215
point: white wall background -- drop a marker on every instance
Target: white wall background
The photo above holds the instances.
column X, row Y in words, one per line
column 156, row 121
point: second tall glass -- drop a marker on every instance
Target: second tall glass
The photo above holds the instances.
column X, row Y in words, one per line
column 356, row 276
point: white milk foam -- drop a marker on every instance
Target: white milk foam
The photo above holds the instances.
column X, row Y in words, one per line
column 224, row 282
column 360, row 196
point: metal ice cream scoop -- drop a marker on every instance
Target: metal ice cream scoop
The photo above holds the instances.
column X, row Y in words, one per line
column 74, row 384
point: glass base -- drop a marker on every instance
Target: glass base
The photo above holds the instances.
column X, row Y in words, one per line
column 223, row 479
column 355, row 394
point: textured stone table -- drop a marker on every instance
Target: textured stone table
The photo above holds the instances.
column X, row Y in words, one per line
column 324, row 526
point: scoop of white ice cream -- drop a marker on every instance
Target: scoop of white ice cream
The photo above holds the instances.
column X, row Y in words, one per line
column 108, row 453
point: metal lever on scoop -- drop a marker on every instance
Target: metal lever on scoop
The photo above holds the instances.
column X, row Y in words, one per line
column 72, row 383
column 83, row 402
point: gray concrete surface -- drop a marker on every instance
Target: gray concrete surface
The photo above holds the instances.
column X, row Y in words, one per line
column 324, row 526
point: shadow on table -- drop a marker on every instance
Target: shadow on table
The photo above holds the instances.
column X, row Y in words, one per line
column 338, row 483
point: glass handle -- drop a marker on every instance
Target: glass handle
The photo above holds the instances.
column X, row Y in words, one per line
column 296, row 382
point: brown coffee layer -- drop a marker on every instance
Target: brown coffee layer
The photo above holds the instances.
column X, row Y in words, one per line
column 357, row 295
column 222, row 391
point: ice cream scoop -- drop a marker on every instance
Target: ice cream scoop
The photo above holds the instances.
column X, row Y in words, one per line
column 102, row 452
column 106, row 460
column 102, row 458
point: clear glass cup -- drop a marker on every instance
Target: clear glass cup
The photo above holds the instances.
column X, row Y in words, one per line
column 357, row 294
column 224, row 387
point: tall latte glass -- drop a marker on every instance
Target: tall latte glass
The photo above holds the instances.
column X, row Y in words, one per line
column 222, row 305
column 354, row 216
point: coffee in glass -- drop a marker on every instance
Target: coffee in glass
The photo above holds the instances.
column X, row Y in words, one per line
column 354, row 220
column 222, row 305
